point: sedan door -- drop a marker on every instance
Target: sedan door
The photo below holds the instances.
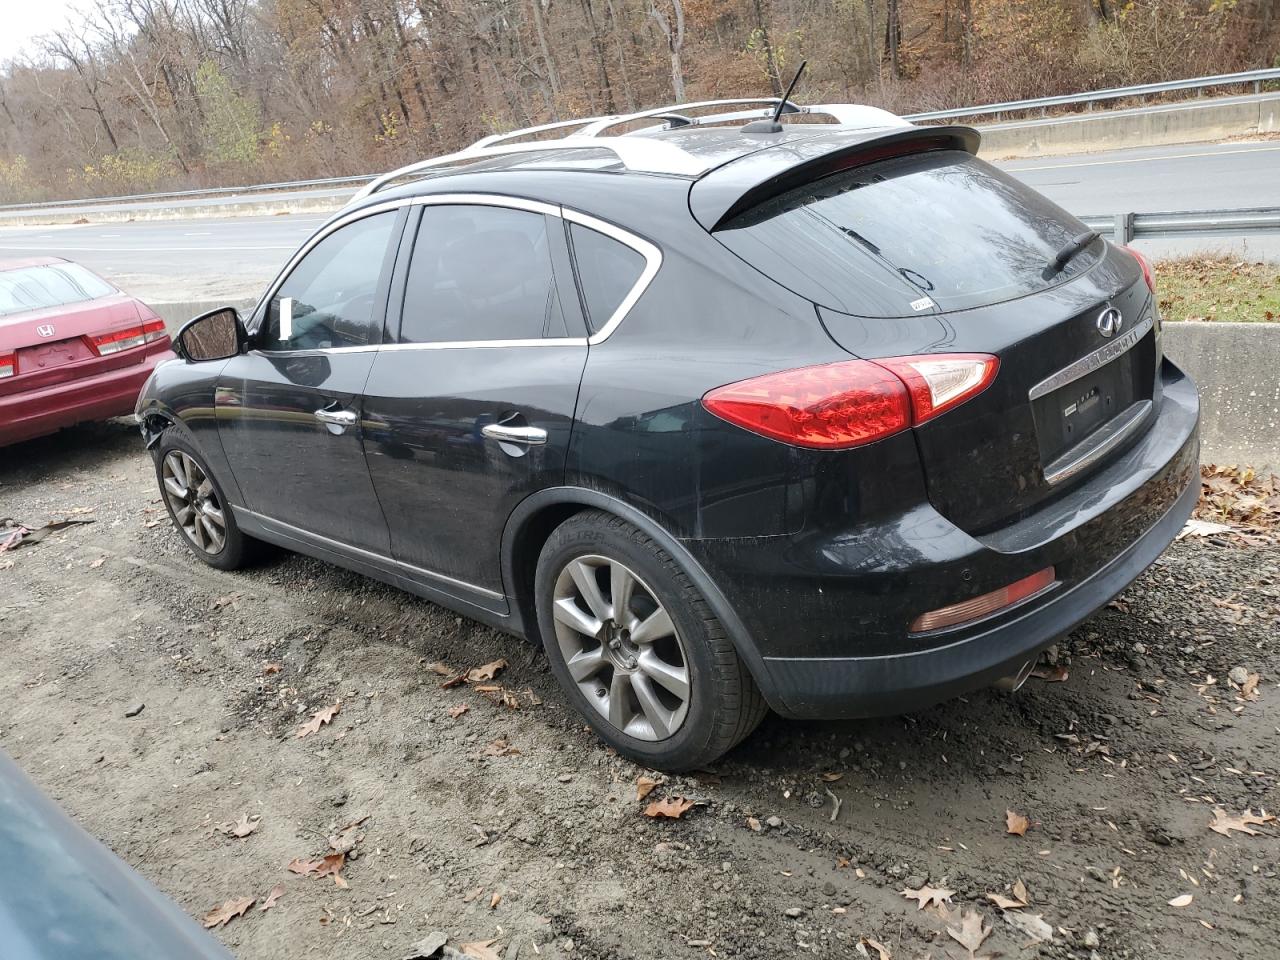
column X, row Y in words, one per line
column 470, row 409
column 289, row 410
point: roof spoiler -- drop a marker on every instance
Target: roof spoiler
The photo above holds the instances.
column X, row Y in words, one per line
column 749, row 181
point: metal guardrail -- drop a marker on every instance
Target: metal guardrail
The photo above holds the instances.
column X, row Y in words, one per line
column 1255, row 77
column 1123, row 227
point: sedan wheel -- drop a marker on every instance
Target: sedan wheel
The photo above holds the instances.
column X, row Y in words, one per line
column 621, row 647
column 194, row 501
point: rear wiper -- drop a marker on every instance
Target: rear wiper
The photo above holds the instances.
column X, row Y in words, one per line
column 1069, row 250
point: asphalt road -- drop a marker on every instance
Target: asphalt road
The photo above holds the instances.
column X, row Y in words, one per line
column 213, row 258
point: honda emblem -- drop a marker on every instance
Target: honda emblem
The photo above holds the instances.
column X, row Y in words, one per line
column 45, row 329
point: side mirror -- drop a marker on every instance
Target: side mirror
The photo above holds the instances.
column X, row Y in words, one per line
column 216, row 335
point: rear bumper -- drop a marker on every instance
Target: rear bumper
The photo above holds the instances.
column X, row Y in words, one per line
column 828, row 619
column 35, row 413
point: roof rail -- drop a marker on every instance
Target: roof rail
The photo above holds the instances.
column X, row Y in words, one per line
column 634, row 150
column 635, row 153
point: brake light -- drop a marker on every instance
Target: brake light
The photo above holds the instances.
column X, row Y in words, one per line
column 117, row 340
column 8, row 365
column 1147, row 273
column 988, row 603
column 852, row 402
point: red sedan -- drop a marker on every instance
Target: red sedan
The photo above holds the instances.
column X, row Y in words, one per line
column 73, row 348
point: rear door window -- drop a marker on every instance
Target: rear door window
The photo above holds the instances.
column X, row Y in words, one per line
column 607, row 269
column 941, row 230
column 51, row 285
column 481, row 273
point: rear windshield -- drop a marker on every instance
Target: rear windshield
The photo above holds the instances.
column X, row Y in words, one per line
column 34, row 288
column 910, row 235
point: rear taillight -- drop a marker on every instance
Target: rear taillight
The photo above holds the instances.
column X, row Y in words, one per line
column 846, row 404
column 1147, row 273
column 117, row 340
column 8, row 365
column 938, row 383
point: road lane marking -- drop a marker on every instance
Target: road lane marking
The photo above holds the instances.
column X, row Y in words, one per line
column 1172, row 156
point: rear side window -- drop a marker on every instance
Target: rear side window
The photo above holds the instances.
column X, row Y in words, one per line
column 898, row 237
column 480, row 273
column 53, row 285
column 607, row 271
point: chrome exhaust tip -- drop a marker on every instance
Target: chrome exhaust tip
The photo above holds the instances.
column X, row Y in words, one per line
column 1012, row 682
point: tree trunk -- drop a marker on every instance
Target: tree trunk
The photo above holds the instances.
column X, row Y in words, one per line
column 674, row 34
column 548, row 62
column 770, row 59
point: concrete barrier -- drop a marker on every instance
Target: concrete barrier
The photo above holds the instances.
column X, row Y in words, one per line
column 1236, row 366
column 1189, row 122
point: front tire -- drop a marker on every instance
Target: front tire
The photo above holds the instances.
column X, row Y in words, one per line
column 196, row 504
column 636, row 647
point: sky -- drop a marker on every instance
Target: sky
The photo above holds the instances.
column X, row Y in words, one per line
column 25, row 19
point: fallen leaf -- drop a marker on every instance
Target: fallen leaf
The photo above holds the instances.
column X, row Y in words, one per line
column 1223, row 823
column 220, row 916
column 480, row 950
column 879, row 948
column 441, row 669
column 753, row 825
column 345, row 839
column 500, row 748
column 276, row 893
column 1202, row 528
column 1031, row 924
column 644, row 787
column 472, row 895
column 1016, row 823
column 97, row 563
column 1020, row 891
column 1182, row 901
column 331, row 866
column 270, row 668
column 319, row 719
column 832, row 778
column 928, row 895
column 428, row 946
column 495, row 900
column 672, row 808
column 486, row 672
column 242, row 827
column 1249, row 689
column 973, row 930
column 1056, row 674
column 302, row 866
column 459, row 710
column 1006, row 903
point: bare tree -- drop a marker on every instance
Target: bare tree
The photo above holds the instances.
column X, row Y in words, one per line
column 672, row 28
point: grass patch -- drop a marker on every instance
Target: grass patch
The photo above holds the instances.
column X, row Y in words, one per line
column 1218, row 288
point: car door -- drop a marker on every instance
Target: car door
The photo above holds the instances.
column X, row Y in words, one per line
column 288, row 410
column 470, row 408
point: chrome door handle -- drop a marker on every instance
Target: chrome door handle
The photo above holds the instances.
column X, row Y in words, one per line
column 337, row 418
column 505, row 434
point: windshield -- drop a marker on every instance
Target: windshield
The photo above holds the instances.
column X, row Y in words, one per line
column 52, row 285
column 933, row 231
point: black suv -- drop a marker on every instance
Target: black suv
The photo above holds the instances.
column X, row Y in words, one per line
column 832, row 418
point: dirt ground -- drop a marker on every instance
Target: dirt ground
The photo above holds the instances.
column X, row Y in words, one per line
column 1117, row 769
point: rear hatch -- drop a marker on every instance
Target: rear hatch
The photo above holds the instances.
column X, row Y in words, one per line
column 935, row 251
column 59, row 322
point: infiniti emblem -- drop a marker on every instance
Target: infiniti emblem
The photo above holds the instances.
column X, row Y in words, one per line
column 45, row 329
column 1109, row 321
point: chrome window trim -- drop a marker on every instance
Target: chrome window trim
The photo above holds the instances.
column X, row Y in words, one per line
column 651, row 253
column 1092, row 361
column 652, row 262
column 373, row 555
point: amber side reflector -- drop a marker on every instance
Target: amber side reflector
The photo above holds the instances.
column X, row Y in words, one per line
column 988, row 603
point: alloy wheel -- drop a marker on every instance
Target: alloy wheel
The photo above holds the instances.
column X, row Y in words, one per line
column 621, row 647
column 193, row 500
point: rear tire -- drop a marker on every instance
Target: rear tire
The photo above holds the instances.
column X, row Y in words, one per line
column 196, row 504
column 637, row 648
